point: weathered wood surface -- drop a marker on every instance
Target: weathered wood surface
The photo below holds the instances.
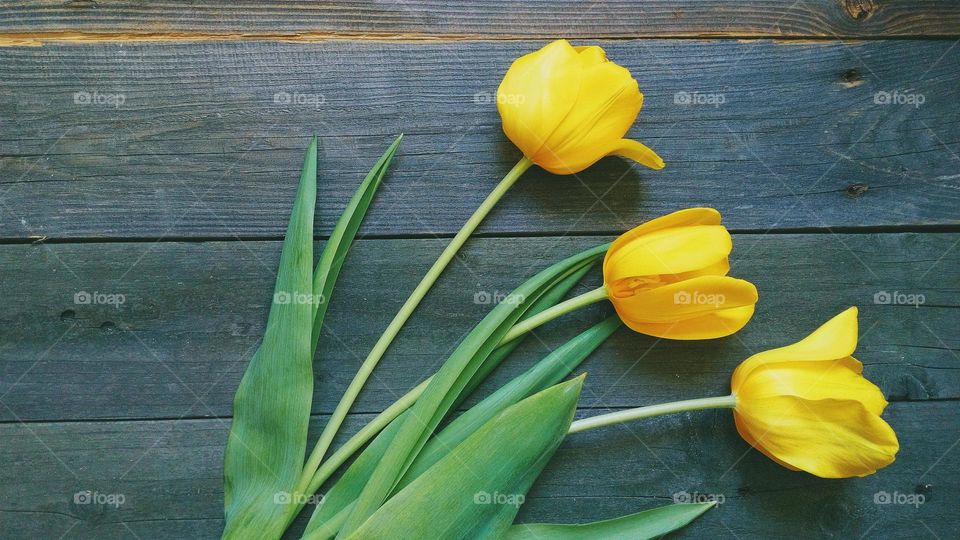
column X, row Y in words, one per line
column 489, row 19
column 193, row 313
column 218, row 99
column 170, row 476
column 200, row 148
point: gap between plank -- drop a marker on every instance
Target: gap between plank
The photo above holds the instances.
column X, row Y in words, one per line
column 866, row 229
column 74, row 37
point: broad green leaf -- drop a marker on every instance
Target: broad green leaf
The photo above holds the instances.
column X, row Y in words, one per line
column 447, row 385
column 555, row 292
column 271, row 409
column 652, row 523
column 351, row 483
column 336, row 248
column 267, row 442
column 550, row 370
column 478, row 480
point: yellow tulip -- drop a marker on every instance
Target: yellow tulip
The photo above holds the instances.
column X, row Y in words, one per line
column 667, row 278
column 808, row 407
column 566, row 107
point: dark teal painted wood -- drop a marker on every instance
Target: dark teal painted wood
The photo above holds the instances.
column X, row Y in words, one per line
column 169, row 474
column 131, row 403
column 193, row 313
column 199, row 148
column 498, row 19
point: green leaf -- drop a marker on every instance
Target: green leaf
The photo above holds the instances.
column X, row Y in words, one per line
column 335, row 250
column 642, row 525
column 271, row 409
column 447, row 385
column 267, row 443
column 550, row 370
column 485, row 478
column 350, row 484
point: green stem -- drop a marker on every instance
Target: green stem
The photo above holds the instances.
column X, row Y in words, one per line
column 354, row 443
column 552, row 313
column 366, row 433
column 380, row 348
column 619, row 417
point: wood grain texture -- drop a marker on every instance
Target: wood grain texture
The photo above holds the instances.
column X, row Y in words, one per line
column 199, row 147
column 193, row 313
column 169, row 474
column 152, row 120
column 487, row 19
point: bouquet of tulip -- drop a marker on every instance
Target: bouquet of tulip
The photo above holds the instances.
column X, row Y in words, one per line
column 805, row 405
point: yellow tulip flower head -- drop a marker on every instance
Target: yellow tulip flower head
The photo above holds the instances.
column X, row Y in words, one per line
column 667, row 278
column 566, row 107
column 808, row 407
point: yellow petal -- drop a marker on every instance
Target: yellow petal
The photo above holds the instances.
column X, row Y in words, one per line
column 590, row 55
column 712, row 325
column 837, row 338
column 719, row 268
column 668, row 251
column 687, row 299
column 752, row 441
column 830, row 438
column 636, row 151
column 680, row 218
column 537, row 92
column 838, row 379
column 607, row 105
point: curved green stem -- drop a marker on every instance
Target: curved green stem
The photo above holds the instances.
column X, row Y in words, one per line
column 380, row 348
column 552, row 313
column 366, row 433
column 619, row 417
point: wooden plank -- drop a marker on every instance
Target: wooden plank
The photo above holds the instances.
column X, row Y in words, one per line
column 487, row 19
column 163, row 479
column 192, row 314
column 200, row 148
